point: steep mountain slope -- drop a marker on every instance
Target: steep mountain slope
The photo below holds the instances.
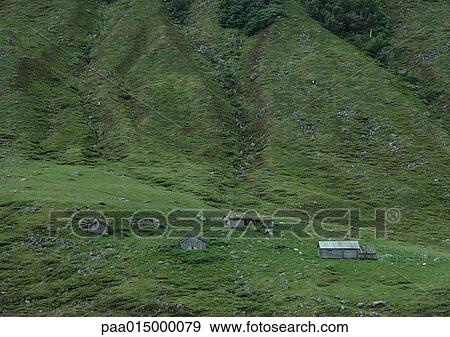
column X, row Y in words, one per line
column 118, row 102
column 329, row 126
column 98, row 105
column 423, row 59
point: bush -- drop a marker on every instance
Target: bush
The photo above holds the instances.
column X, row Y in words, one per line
column 353, row 20
column 249, row 15
column 179, row 9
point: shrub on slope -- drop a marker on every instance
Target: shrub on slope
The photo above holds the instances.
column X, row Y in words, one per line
column 249, row 15
column 363, row 22
column 179, row 9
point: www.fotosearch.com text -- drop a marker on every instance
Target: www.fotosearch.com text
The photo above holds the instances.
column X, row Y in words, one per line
column 219, row 224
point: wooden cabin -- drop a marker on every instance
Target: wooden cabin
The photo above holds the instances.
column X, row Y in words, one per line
column 345, row 250
column 338, row 249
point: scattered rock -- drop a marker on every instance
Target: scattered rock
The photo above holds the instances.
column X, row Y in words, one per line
column 101, row 203
column 303, row 37
column 293, row 297
column 359, row 175
column 412, row 166
column 254, row 76
column 403, row 28
column 306, row 128
column 83, row 272
column 378, row 304
column 38, row 242
column 75, row 174
column 9, row 40
column 204, row 49
column 428, row 56
column 27, row 210
column 301, row 92
column 393, row 145
column 345, row 114
column 360, row 305
column 344, row 302
column 371, row 130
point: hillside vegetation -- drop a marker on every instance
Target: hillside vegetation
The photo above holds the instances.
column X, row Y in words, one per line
column 149, row 104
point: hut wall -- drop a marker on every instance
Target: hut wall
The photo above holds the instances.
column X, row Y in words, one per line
column 338, row 253
column 350, row 253
column 367, row 256
column 330, row 254
column 234, row 223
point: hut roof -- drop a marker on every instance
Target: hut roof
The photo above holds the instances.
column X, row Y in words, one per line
column 339, row 245
column 190, row 237
column 192, row 242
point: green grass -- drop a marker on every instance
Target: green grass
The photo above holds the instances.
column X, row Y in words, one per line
column 146, row 111
column 104, row 277
column 422, row 51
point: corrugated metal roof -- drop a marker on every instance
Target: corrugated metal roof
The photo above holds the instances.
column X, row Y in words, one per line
column 339, row 244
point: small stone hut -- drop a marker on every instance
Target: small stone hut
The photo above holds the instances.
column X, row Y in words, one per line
column 95, row 227
column 192, row 243
column 245, row 220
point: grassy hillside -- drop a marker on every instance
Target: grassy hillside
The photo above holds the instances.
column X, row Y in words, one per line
column 123, row 105
column 422, row 44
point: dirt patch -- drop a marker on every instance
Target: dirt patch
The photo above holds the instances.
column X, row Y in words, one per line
column 257, row 97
